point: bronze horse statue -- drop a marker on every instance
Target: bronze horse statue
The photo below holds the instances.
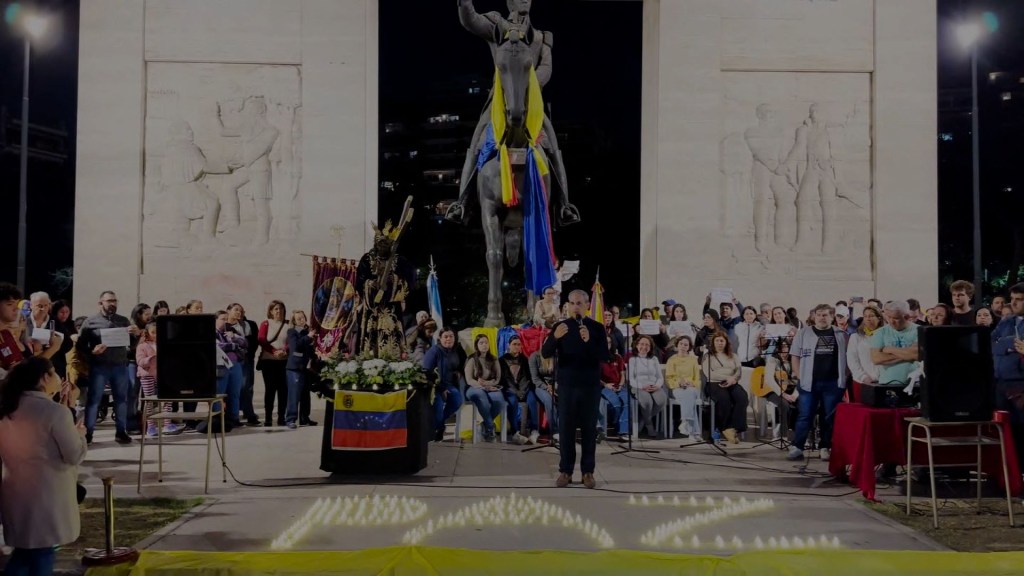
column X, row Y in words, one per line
column 507, row 124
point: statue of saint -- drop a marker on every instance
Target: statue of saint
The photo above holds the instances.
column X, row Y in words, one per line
column 495, row 29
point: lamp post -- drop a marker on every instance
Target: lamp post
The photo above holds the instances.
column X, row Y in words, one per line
column 32, row 27
column 970, row 34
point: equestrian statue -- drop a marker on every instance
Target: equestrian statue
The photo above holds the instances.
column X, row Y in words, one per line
column 513, row 155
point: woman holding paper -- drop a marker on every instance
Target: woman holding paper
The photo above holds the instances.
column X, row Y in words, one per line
column 646, row 380
column 679, row 324
column 777, row 329
column 658, row 332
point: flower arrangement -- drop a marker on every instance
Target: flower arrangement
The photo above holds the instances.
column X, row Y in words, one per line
column 372, row 374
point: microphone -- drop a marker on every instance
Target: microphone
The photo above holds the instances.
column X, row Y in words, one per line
column 579, row 320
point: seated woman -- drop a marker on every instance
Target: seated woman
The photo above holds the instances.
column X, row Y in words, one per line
column 613, row 375
column 515, row 383
column 785, row 399
column 646, row 380
column 722, row 369
column 443, row 364
column 542, row 373
column 682, row 376
column 545, row 311
column 41, row 447
column 483, row 385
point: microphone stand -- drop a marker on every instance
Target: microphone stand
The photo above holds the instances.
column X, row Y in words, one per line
column 629, row 416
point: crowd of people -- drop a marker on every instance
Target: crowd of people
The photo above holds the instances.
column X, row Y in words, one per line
column 85, row 358
column 813, row 365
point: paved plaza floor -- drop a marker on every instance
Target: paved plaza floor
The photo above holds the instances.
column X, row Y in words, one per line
column 497, row 497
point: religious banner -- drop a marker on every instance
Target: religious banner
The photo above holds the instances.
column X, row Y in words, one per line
column 369, row 421
column 334, row 302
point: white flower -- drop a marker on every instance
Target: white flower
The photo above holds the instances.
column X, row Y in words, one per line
column 399, row 367
column 350, row 367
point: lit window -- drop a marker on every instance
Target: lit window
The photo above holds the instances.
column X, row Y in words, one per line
column 1006, row 96
column 993, row 76
column 946, row 136
column 414, row 153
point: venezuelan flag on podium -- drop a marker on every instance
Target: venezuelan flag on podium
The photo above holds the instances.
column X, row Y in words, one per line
column 369, row 421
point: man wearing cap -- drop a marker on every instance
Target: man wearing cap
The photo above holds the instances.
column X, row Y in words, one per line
column 667, row 316
column 843, row 320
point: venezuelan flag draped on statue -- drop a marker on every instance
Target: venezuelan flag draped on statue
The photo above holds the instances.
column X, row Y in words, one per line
column 369, row 421
column 538, row 244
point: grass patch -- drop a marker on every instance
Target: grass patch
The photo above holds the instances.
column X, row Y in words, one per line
column 134, row 520
column 961, row 528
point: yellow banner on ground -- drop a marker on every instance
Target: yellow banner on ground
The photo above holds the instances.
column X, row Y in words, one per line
column 421, row 560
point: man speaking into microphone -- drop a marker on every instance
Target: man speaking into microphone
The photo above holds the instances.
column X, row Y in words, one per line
column 580, row 345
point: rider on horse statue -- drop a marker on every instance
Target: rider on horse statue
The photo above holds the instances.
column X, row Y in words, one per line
column 496, row 29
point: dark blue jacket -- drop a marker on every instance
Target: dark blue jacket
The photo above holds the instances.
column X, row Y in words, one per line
column 300, row 349
column 444, row 366
column 1009, row 364
column 579, row 362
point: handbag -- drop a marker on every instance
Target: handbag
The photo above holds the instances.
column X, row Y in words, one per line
column 259, row 362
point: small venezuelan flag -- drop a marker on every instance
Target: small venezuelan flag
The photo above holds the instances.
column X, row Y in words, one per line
column 369, row 421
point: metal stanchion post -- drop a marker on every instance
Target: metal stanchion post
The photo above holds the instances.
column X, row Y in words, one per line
column 110, row 554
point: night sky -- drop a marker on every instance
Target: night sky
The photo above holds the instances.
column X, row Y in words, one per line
column 596, row 106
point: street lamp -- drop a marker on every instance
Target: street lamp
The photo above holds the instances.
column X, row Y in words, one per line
column 970, row 34
column 32, row 26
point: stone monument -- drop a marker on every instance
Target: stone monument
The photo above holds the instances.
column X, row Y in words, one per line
column 787, row 150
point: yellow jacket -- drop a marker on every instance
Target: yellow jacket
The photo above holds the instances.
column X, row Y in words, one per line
column 77, row 367
column 682, row 367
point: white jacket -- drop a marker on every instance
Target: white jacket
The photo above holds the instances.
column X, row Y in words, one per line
column 748, row 337
column 858, row 357
column 41, row 451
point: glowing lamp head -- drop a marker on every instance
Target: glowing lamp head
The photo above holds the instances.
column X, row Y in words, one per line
column 968, row 33
column 35, row 25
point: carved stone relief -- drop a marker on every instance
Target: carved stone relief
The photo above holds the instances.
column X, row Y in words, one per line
column 223, row 161
column 796, row 174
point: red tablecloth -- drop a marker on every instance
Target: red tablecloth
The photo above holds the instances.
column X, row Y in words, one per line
column 865, row 437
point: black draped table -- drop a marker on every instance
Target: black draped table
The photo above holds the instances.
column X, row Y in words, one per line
column 408, row 460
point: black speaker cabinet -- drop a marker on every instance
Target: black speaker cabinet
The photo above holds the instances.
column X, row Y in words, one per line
column 957, row 384
column 186, row 347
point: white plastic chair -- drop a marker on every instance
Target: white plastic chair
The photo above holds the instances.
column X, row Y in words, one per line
column 476, row 414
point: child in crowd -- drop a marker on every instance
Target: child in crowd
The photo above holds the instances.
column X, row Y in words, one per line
column 145, row 359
